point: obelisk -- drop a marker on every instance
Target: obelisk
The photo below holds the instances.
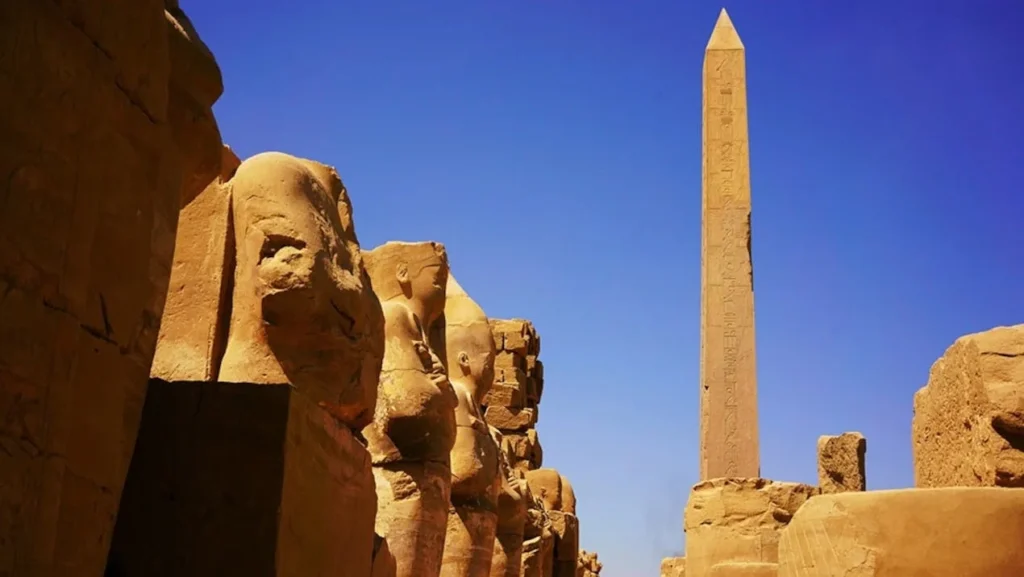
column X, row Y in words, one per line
column 728, row 381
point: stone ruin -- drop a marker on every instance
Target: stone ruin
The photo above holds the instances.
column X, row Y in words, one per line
column 512, row 405
column 588, row 566
column 549, row 545
column 205, row 374
column 965, row 518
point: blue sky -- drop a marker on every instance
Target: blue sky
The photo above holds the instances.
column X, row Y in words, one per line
column 554, row 147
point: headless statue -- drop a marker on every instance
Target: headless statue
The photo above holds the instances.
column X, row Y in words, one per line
column 248, row 460
column 473, row 517
column 508, row 544
column 538, row 538
column 556, row 495
column 413, row 429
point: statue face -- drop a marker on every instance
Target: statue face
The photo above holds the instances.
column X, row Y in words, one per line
column 428, row 277
column 301, row 264
column 479, row 366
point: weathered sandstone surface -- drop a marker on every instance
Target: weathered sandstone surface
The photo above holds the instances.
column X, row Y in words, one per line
column 968, row 427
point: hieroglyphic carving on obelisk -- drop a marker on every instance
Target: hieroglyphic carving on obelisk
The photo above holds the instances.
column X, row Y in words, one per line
column 728, row 389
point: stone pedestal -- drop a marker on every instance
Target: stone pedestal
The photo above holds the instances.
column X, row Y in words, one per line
column 243, row 479
column 738, row 520
column 951, row 532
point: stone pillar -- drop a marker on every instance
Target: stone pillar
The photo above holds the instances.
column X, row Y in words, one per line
column 104, row 107
column 511, row 407
column 951, row 532
column 512, row 404
column 841, row 463
column 728, row 391
column 738, row 521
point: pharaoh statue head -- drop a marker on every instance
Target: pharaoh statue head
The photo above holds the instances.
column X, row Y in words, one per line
column 468, row 342
column 412, row 273
column 415, row 420
column 271, row 289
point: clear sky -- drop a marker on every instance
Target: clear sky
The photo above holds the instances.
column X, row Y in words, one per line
column 554, row 147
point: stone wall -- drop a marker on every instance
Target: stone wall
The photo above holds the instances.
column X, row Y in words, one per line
column 105, row 129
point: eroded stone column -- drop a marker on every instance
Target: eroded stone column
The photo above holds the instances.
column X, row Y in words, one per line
column 728, row 390
column 513, row 403
column 841, row 463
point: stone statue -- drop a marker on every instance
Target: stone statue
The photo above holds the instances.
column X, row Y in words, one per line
column 473, row 517
column 513, row 500
column 248, row 459
column 413, row 429
column 508, row 543
column 556, row 495
column 538, row 537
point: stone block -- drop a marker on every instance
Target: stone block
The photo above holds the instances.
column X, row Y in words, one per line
column 505, row 395
column 526, row 446
column 841, row 463
column 505, row 360
column 968, row 427
column 509, row 419
column 515, row 335
column 947, row 532
column 738, row 520
column 673, row 567
column 232, row 478
column 744, row 570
